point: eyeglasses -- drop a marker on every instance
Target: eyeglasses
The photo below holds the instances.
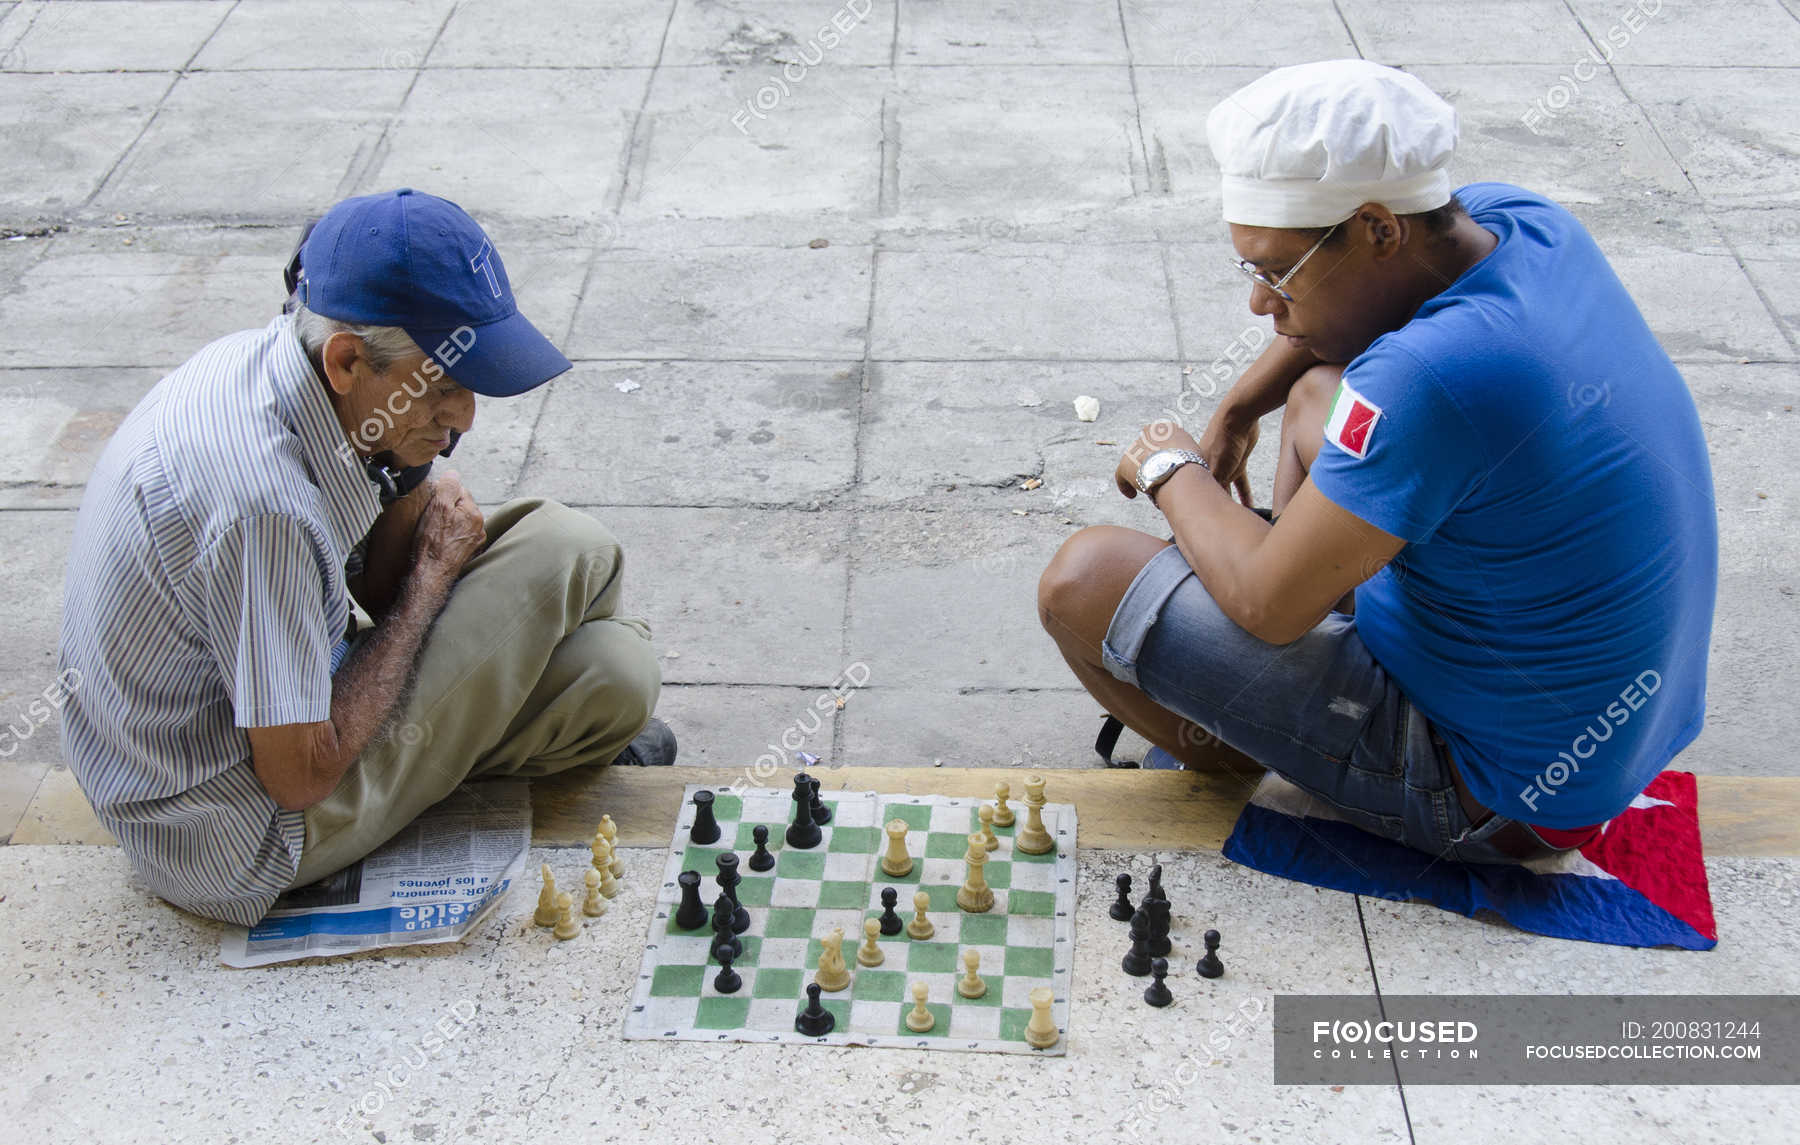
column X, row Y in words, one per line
column 1275, row 285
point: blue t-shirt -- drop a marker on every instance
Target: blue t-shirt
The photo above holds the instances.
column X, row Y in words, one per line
column 1532, row 443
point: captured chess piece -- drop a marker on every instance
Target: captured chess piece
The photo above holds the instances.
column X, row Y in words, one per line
column 567, row 925
column 920, row 1019
column 724, row 938
column 970, row 984
column 869, row 953
column 602, row 865
column 832, row 975
column 1157, row 993
column 546, row 907
column 728, row 880
column 1137, row 960
column 1160, row 946
column 594, row 904
column 706, row 827
column 1121, row 908
column 1033, row 839
column 1155, row 892
column 610, row 832
column 975, row 896
column 920, row 927
column 691, row 914
column 760, row 859
column 990, row 840
column 896, row 863
column 1003, row 815
column 1041, row 1032
column 815, row 1021
column 821, row 814
column 803, row 833
column 727, row 980
column 890, row 921
column 1209, row 965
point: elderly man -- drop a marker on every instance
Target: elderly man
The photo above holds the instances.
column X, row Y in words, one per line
column 235, row 727
column 1482, row 441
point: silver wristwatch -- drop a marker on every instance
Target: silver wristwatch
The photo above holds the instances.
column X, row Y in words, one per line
column 1161, row 465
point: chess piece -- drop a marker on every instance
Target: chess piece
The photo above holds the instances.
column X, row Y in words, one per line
column 890, row 921
column 896, row 864
column 1137, row 960
column 815, row 1021
column 1003, row 815
column 833, row 975
column 724, row 939
column 728, row 880
column 1157, row 993
column 989, row 840
column 706, row 828
column 920, row 1019
column 567, row 925
column 869, row 953
column 1121, row 908
column 1160, row 946
column 1155, row 893
column 727, row 980
column 920, row 927
column 691, row 915
column 1041, row 1032
column 610, row 831
column 803, row 833
column 760, row 859
column 821, row 814
column 975, row 896
column 594, row 904
column 1033, row 839
column 546, row 907
column 1209, row 965
column 970, row 984
column 602, row 865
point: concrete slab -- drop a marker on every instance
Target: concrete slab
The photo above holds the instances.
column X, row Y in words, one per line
column 1409, row 32
column 255, row 145
column 734, row 725
column 1233, row 33
column 33, row 548
column 1418, row 949
column 726, row 304
column 1024, row 301
column 552, row 34
column 1027, row 730
column 1692, row 33
column 698, row 433
column 1010, row 32
column 59, row 813
column 339, row 34
column 55, row 424
column 63, row 133
column 19, row 781
column 763, row 36
column 1734, row 325
column 1731, row 129
column 136, row 35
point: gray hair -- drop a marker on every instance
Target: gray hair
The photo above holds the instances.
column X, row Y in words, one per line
column 382, row 345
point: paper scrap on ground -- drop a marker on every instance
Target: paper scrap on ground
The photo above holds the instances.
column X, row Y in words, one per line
column 1086, row 408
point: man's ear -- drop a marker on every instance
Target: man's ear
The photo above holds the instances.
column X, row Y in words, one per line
column 1386, row 232
column 340, row 356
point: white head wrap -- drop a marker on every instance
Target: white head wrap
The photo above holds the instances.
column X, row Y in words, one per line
column 1307, row 145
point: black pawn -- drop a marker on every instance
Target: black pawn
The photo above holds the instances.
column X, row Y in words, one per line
column 814, row 1021
column 727, row 980
column 1155, row 893
column 1137, row 960
column 692, row 913
column 1122, row 910
column 760, row 859
column 1157, row 994
column 803, row 832
column 1160, row 946
column 728, row 881
column 890, row 922
column 1210, row 966
column 723, row 938
column 821, row 813
column 705, row 828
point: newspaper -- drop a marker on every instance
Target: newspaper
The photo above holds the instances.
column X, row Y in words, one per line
column 433, row 882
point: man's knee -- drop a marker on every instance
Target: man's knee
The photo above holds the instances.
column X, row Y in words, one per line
column 1311, row 396
column 1090, row 573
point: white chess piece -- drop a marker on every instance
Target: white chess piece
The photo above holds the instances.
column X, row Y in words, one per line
column 921, row 1019
column 869, row 953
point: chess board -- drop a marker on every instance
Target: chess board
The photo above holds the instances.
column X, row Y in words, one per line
column 1027, row 940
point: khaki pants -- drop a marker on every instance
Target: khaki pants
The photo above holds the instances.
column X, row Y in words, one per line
column 526, row 672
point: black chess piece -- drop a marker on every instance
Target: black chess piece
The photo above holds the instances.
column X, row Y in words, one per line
column 723, row 937
column 1122, row 910
column 803, row 832
column 821, row 813
column 727, row 980
column 1209, row 965
column 728, row 880
column 1155, row 893
column 691, row 915
column 705, row 828
column 814, row 1021
column 1160, row 946
column 1157, row 994
column 1137, row 960
column 761, row 859
column 890, row 921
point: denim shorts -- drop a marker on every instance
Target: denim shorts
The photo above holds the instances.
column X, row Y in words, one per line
column 1320, row 711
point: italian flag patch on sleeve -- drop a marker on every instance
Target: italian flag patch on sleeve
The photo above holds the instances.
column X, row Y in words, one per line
column 1351, row 421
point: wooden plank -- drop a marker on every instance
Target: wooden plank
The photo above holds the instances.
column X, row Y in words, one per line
column 1752, row 817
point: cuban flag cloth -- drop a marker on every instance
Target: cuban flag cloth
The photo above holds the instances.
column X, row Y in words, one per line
column 1641, row 882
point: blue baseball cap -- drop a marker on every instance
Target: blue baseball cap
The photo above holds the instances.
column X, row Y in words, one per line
column 407, row 259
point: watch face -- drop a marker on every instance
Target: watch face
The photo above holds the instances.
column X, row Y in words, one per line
column 1155, row 468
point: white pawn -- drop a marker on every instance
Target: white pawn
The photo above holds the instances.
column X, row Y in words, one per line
column 594, row 905
column 988, row 838
column 970, row 984
column 869, row 953
column 920, row 927
column 610, row 831
column 920, row 1020
column 567, row 925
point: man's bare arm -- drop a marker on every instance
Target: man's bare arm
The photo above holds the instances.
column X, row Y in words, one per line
column 387, row 555
column 1230, row 434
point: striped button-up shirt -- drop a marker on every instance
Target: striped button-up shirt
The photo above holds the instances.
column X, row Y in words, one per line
column 206, row 595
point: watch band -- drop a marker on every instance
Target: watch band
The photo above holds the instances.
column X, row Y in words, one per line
column 1182, row 457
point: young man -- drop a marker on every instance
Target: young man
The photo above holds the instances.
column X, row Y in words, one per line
column 1482, row 442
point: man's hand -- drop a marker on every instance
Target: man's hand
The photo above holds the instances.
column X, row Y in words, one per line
column 1158, row 435
column 1227, row 443
column 451, row 530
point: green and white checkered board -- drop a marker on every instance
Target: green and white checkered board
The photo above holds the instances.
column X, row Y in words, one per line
column 1027, row 940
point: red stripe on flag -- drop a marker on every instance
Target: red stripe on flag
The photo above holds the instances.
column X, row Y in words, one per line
column 1355, row 434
